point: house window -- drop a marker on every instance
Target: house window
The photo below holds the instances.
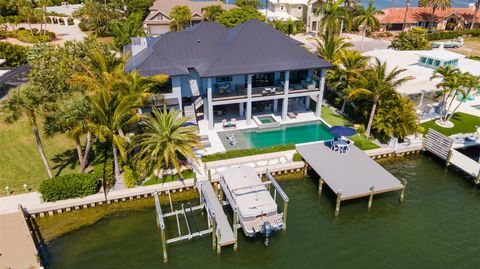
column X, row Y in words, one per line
column 263, row 80
column 299, row 7
column 295, row 77
column 314, row 26
column 436, row 63
column 281, row 7
column 430, row 61
column 224, row 79
column 423, row 60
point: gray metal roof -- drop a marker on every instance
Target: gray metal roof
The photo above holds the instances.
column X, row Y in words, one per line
column 213, row 50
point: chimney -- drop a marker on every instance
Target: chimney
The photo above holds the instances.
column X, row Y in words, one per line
column 138, row 44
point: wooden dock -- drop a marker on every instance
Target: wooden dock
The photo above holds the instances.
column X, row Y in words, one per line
column 350, row 175
column 17, row 249
column 224, row 231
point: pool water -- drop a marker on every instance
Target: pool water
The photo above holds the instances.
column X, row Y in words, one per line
column 436, row 227
column 477, row 107
column 288, row 134
column 266, row 119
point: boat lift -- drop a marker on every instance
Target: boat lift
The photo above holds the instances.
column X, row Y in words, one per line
column 212, row 201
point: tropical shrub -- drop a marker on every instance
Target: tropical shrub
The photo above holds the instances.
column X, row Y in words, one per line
column 410, row 41
column 69, row 186
column 452, row 34
column 130, row 177
column 29, row 37
column 104, row 170
column 186, row 174
column 236, row 16
column 297, row 157
column 245, row 152
column 14, row 55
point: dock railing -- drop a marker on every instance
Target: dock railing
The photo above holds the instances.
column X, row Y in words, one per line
column 280, row 191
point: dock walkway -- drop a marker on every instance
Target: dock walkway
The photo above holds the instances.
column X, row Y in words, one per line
column 224, row 229
column 17, row 249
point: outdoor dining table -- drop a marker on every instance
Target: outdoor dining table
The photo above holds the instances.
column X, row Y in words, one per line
column 342, row 145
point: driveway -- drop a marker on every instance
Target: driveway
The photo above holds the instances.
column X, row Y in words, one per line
column 356, row 40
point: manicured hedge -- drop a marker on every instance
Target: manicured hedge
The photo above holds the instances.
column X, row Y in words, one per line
column 245, row 152
column 297, row 157
column 452, row 34
column 69, row 186
column 130, row 177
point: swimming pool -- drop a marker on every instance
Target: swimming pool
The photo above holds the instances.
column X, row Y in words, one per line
column 286, row 134
column 477, row 107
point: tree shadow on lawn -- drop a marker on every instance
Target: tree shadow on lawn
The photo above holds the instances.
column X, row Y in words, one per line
column 66, row 159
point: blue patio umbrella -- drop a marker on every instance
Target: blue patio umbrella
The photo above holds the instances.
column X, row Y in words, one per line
column 341, row 131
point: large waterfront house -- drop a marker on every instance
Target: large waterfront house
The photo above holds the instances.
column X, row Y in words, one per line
column 158, row 20
column 305, row 10
column 448, row 19
column 246, row 69
column 421, row 65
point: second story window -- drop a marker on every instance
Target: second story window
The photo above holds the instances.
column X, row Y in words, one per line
column 299, row 8
column 263, row 80
column 282, row 7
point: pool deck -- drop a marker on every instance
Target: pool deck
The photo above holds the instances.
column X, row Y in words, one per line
column 352, row 174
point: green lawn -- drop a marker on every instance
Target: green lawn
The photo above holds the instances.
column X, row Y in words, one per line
column 464, row 123
column 333, row 118
column 20, row 161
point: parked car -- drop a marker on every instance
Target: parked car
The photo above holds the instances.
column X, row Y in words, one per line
column 456, row 43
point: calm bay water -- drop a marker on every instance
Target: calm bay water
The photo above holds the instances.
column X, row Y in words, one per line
column 436, row 227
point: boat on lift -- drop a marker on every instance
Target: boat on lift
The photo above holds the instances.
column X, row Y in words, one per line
column 257, row 209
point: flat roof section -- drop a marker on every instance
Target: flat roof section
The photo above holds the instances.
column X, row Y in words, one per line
column 354, row 173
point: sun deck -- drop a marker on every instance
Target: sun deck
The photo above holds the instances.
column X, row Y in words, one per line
column 352, row 175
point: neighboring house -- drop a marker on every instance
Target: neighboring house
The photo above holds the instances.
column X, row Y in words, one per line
column 448, row 19
column 421, row 65
column 158, row 20
column 246, row 69
column 305, row 10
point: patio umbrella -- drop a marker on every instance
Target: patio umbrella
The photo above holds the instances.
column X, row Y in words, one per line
column 341, row 131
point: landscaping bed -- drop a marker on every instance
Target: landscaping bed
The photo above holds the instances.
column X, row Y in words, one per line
column 169, row 178
column 28, row 37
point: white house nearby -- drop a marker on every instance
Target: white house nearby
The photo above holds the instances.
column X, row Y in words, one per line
column 305, row 10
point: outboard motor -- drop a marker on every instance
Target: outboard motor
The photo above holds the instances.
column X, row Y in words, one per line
column 267, row 231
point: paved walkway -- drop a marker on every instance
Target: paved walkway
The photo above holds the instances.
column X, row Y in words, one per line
column 17, row 249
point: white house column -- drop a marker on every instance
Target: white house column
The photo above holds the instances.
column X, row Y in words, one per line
column 275, row 105
column 422, row 96
column 249, row 100
column 241, row 108
column 210, row 104
column 318, row 109
column 285, row 96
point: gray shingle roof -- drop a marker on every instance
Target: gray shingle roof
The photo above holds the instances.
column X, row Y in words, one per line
column 213, row 50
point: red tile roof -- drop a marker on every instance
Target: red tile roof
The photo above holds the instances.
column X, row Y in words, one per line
column 417, row 14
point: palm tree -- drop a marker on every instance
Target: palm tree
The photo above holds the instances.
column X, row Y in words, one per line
column 124, row 30
column 289, row 26
column 348, row 74
column 181, row 16
column 367, row 19
column 474, row 19
column 330, row 47
column 449, row 82
column 212, row 12
column 112, row 114
column 332, row 12
column 26, row 101
column 396, row 117
column 377, row 83
column 435, row 4
column 164, row 140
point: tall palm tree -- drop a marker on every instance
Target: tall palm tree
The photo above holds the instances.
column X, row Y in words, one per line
column 112, row 114
column 367, row 19
column 468, row 83
column 164, row 140
column 449, row 82
column 475, row 14
column 212, row 12
column 27, row 101
column 181, row 17
column 435, row 4
column 332, row 12
column 330, row 47
column 377, row 83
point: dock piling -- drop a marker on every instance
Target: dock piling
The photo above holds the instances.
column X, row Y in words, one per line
column 235, row 229
column 164, row 245
column 337, row 206
column 214, row 229
column 370, row 199
column 402, row 193
column 219, row 247
column 285, row 210
column 320, row 186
